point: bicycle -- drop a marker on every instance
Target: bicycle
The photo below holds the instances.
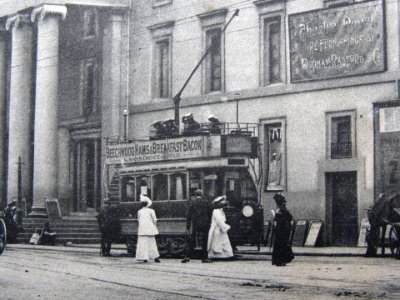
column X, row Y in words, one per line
column 3, row 233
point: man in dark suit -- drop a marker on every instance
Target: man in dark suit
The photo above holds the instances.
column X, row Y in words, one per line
column 198, row 220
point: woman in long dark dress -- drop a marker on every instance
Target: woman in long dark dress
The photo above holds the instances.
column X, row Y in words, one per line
column 282, row 252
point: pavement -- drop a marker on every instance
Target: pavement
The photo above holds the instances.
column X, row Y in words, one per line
column 121, row 249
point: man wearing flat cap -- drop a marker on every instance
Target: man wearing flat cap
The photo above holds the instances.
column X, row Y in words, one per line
column 198, row 221
column 282, row 252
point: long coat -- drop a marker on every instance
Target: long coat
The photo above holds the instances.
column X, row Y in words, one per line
column 147, row 222
column 219, row 245
column 282, row 252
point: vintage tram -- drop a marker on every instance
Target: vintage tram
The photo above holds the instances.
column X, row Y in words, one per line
column 169, row 168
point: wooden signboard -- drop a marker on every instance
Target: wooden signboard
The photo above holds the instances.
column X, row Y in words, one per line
column 53, row 209
column 313, row 233
column 300, row 232
column 363, row 233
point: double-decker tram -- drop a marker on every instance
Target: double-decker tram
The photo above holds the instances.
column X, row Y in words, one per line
column 170, row 167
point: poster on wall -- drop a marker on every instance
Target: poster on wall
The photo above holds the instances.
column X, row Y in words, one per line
column 337, row 42
column 275, row 152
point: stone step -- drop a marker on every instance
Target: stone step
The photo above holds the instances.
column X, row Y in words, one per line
column 68, row 240
column 65, row 235
column 64, row 229
column 77, row 228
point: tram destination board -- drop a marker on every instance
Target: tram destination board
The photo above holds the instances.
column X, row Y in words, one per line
column 337, row 42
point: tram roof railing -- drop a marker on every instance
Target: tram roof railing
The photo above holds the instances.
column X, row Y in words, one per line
column 226, row 128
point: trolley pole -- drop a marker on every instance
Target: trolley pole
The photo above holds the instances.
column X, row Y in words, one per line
column 177, row 97
column 19, row 199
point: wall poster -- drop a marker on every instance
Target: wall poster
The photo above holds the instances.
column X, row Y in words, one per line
column 274, row 155
column 337, row 42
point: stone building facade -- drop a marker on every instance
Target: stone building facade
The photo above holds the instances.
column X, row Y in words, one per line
column 59, row 60
column 311, row 72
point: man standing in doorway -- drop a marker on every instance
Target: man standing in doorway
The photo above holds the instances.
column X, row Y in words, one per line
column 198, row 221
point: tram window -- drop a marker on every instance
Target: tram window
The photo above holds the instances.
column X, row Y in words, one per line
column 160, row 187
column 144, row 187
column 130, row 189
column 213, row 184
column 194, row 182
column 178, row 186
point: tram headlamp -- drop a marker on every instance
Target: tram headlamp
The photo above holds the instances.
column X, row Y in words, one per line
column 248, row 211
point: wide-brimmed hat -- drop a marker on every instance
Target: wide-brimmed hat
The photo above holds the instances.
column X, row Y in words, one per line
column 212, row 118
column 188, row 116
column 279, row 199
column 198, row 192
column 169, row 121
column 156, row 123
column 219, row 201
column 144, row 198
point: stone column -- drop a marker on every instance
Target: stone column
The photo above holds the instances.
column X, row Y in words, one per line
column 84, row 180
column 111, row 93
column 112, row 77
column 3, row 114
column 21, row 106
column 45, row 173
column 64, row 169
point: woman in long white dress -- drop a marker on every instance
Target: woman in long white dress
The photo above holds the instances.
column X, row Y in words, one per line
column 219, row 245
column 146, row 245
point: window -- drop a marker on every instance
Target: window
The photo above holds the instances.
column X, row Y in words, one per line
column 272, row 51
column 90, row 23
column 213, row 68
column 341, row 135
column 162, row 65
column 274, row 154
column 160, row 187
column 272, row 41
column 178, row 186
column 213, row 61
column 162, row 58
column 88, row 93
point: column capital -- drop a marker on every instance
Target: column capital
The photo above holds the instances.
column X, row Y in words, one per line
column 40, row 12
column 14, row 21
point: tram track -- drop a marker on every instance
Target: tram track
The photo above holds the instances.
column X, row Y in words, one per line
column 180, row 275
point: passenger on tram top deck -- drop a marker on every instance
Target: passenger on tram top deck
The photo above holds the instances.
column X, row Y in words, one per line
column 170, row 127
column 190, row 126
column 160, row 129
column 214, row 125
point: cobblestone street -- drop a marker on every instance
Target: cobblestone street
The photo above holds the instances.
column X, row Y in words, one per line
column 30, row 274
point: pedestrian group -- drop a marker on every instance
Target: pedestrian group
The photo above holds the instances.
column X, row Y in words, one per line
column 209, row 221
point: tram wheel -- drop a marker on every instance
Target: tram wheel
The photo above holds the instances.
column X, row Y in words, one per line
column 163, row 243
column 394, row 239
column 3, row 236
column 178, row 244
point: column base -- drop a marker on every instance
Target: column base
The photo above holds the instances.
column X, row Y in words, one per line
column 38, row 212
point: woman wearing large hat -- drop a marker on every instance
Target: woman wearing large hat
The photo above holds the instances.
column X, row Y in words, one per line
column 146, row 246
column 282, row 252
column 219, row 245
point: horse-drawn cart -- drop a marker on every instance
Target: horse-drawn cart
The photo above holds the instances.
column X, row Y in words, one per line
column 384, row 214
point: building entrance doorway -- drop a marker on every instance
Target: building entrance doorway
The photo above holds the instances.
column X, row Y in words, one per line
column 342, row 208
column 86, row 175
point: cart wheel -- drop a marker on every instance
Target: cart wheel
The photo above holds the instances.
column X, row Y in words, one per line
column 394, row 239
column 3, row 236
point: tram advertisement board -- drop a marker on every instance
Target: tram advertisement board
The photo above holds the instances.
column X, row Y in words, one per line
column 337, row 42
column 162, row 150
column 387, row 148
